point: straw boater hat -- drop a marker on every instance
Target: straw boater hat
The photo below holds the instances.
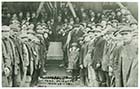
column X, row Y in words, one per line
column 5, row 28
column 34, row 38
column 23, row 37
column 83, row 24
column 114, row 21
column 15, row 21
column 97, row 30
column 88, row 28
column 109, row 31
column 124, row 29
column 31, row 26
column 30, row 32
column 43, row 24
column 40, row 31
column 14, row 27
column 5, row 31
column 80, row 39
column 98, row 24
column 74, row 44
column 133, row 23
column 38, row 23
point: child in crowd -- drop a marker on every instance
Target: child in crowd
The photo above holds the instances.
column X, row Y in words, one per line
column 73, row 60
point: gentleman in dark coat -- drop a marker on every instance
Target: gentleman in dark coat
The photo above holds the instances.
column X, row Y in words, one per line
column 83, row 70
column 20, row 17
column 6, row 18
column 97, row 54
column 33, row 18
column 97, row 57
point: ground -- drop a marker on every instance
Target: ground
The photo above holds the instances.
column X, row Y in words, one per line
column 56, row 76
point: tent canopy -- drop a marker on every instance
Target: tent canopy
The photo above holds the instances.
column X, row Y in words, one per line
column 15, row 7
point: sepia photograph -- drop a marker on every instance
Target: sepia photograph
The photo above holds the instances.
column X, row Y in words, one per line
column 69, row 44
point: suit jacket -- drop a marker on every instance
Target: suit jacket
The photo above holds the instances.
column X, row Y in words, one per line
column 18, row 61
column 83, row 52
column 75, row 35
column 97, row 54
column 7, row 53
column 5, row 57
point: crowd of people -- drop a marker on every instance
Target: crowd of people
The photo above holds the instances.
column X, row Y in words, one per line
column 99, row 47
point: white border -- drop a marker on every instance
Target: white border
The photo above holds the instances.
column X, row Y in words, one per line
column 74, row 1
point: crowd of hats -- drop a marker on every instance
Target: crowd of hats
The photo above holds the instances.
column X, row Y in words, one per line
column 88, row 18
column 106, row 22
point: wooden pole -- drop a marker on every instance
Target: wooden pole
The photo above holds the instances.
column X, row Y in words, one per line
column 39, row 8
column 120, row 5
column 72, row 9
